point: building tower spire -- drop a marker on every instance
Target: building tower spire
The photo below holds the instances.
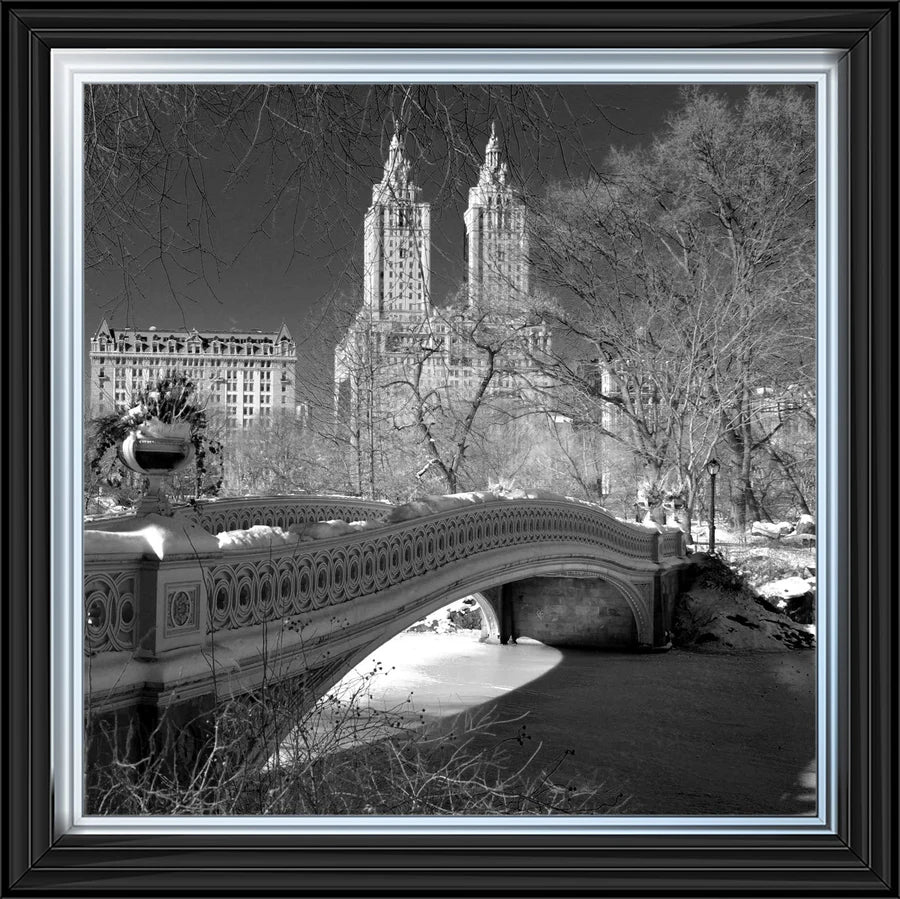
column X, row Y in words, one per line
column 397, row 253
column 493, row 170
column 496, row 241
column 397, row 167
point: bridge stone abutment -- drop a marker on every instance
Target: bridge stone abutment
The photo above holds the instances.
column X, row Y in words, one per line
column 587, row 612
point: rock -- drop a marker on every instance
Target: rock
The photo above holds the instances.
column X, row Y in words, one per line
column 720, row 622
column 802, row 609
column 795, row 596
column 806, row 525
column 785, row 588
column 773, row 531
column 465, row 619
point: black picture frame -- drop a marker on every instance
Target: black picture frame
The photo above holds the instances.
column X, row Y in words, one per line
column 861, row 857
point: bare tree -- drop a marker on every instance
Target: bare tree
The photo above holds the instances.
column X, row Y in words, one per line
column 737, row 190
column 635, row 360
column 686, row 278
column 467, row 376
column 159, row 160
column 682, row 273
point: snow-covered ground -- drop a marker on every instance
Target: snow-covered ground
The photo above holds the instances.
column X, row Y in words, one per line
column 461, row 615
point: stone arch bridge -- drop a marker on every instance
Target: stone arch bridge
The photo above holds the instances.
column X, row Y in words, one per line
column 174, row 621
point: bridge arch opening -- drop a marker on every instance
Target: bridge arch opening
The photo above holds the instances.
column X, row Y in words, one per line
column 471, row 612
column 591, row 609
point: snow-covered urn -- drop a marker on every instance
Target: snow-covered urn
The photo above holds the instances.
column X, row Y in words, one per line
column 157, row 450
column 164, row 430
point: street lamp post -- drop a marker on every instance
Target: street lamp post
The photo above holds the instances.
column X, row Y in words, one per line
column 712, row 469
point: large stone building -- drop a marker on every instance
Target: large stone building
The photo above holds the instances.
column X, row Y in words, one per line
column 400, row 345
column 244, row 376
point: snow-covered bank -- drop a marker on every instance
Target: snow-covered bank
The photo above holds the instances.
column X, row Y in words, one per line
column 720, row 611
column 463, row 615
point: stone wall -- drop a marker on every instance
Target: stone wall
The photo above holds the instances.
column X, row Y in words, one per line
column 569, row 611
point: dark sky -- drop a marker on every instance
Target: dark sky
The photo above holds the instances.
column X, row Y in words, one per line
column 298, row 272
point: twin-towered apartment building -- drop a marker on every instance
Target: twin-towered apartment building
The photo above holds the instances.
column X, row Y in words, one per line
column 249, row 376
column 399, row 333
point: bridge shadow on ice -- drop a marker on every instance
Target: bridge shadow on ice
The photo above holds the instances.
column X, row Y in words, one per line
column 681, row 733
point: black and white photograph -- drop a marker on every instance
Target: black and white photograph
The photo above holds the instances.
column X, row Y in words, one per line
column 449, row 450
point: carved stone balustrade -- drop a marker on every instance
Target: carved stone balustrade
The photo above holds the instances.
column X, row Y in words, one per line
column 145, row 585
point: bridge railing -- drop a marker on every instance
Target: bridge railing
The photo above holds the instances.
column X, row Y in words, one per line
column 240, row 586
column 286, row 511
column 111, row 595
column 241, row 512
column 671, row 544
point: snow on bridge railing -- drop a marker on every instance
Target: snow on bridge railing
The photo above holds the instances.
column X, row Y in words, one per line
column 293, row 579
column 237, row 512
column 263, row 576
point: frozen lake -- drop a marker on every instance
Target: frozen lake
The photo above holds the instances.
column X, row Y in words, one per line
column 678, row 732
